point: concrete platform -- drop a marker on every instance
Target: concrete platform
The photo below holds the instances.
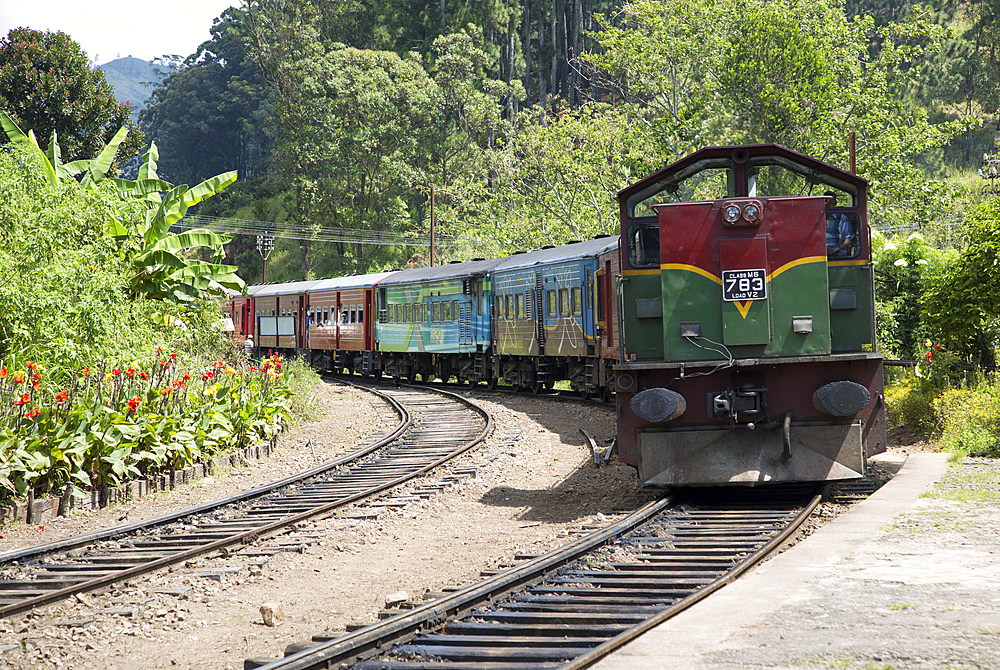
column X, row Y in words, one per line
column 885, row 585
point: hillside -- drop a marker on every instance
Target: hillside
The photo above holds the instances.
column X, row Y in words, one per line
column 132, row 79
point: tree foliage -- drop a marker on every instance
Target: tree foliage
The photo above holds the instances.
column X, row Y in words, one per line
column 62, row 279
column 214, row 113
column 960, row 308
column 47, row 85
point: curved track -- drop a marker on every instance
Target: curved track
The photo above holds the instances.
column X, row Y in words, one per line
column 434, row 427
column 574, row 605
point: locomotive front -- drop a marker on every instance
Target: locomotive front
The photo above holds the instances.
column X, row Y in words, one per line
column 747, row 329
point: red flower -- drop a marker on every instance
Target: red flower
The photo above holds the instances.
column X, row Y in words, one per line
column 159, row 350
column 929, row 356
column 938, row 347
column 187, row 376
column 3, row 372
column 143, row 376
column 173, row 356
column 61, row 397
column 167, row 391
column 24, row 400
column 133, row 403
column 32, row 414
column 31, row 366
column 116, row 371
column 86, row 371
column 130, row 373
column 163, row 363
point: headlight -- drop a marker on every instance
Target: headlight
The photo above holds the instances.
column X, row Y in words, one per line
column 751, row 213
column 731, row 214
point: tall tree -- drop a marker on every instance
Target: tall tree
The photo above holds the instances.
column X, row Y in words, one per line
column 214, row 113
column 46, row 85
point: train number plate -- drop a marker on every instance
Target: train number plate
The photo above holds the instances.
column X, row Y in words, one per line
column 743, row 285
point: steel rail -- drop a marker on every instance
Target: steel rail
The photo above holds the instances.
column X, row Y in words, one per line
column 355, row 646
column 751, row 561
column 243, row 537
column 436, row 612
column 405, row 421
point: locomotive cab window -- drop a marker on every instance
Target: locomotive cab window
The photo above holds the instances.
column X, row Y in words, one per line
column 644, row 245
column 710, row 179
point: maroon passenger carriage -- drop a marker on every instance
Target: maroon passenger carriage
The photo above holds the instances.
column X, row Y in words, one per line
column 341, row 315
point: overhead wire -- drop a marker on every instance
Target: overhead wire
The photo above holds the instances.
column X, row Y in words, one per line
column 233, row 226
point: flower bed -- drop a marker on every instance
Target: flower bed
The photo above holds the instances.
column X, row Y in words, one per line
column 113, row 424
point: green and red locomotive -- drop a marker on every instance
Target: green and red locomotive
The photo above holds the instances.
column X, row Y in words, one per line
column 747, row 330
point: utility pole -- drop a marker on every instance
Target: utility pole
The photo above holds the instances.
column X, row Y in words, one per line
column 432, row 225
column 265, row 245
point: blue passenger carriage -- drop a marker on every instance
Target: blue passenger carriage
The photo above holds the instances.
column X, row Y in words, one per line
column 546, row 316
column 435, row 322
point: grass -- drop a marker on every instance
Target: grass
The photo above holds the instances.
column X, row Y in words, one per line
column 969, row 482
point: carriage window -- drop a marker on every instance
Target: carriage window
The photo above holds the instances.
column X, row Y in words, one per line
column 454, row 309
column 446, row 311
column 577, row 300
column 519, row 304
column 507, row 312
column 435, row 312
column 644, row 245
column 550, row 300
column 563, row 302
column 361, row 314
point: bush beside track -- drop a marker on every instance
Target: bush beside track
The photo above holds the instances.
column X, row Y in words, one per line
column 119, row 422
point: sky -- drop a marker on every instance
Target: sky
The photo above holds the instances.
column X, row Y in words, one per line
column 109, row 29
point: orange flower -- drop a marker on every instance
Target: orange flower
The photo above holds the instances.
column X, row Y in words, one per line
column 32, row 414
column 86, row 371
column 133, row 403
column 61, row 398
column 23, row 400
column 3, row 372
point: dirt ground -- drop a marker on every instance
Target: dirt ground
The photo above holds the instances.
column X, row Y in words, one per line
column 535, row 484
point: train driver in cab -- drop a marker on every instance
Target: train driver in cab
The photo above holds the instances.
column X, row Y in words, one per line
column 839, row 233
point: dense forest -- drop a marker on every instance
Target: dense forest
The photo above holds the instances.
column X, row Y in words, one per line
column 524, row 118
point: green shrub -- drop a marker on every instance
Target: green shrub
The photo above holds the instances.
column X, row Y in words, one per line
column 909, row 405
column 968, row 419
column 116, row 422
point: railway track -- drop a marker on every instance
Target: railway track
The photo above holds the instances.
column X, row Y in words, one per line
column 433, row 427
column 574, row 605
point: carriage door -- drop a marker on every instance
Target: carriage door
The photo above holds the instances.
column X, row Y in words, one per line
column 368, row 320
column 335, row 321
column 539, row 314
column 465, row 330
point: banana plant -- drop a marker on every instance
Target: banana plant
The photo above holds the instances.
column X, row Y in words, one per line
column 162, row 268
column 94, row 170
